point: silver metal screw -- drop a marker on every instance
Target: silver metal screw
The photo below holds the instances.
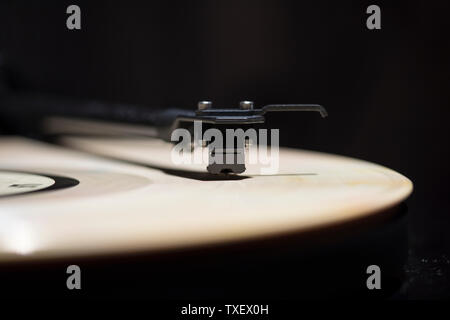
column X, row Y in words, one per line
column 203, row 105
column 246, row 105
column 247, row 144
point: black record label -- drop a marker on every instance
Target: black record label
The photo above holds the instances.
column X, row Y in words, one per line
column 16, row 183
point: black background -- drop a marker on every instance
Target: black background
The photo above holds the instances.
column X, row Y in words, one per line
column 386, row 91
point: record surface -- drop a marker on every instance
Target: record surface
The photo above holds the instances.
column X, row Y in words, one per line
column 145, row 204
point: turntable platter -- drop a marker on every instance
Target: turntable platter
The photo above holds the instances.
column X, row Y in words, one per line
column 132, row 204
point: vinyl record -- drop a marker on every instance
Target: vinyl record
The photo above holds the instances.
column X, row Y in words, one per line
column 140, row 202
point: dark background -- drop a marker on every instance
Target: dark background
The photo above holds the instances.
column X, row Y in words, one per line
column 386, row 91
